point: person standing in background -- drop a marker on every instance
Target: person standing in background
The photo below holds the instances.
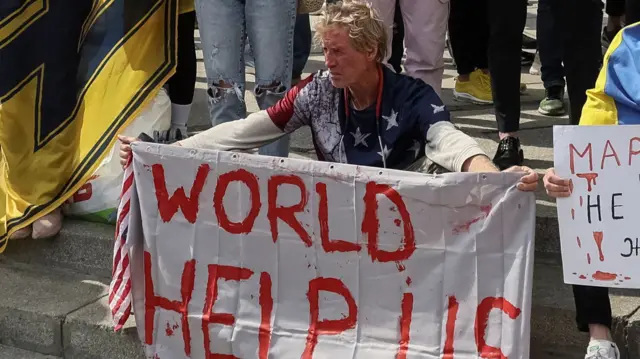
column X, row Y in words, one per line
column 224, row 27
column 569, row 46
column 181, row 85
column 397, row 42
column 425, row 27
column 492, row 29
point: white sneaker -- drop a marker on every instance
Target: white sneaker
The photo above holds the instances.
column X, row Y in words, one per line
column 602, row 349
column 535, row 67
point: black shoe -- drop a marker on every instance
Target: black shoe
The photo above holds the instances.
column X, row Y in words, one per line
column 509, row 153
column 526, row 58
column 529, row 43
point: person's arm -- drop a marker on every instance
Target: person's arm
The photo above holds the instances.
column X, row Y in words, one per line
column 456, row 151
column 246, row 134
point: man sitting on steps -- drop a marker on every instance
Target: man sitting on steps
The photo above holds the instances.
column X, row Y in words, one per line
column 359, row 111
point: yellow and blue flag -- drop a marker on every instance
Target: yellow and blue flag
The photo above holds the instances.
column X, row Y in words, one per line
column 73, row 73
column 615, row 100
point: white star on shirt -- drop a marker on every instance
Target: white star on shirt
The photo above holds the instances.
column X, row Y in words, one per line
column 359, row 137
column 385, row 152
column 437, row 109
column 415, row 148
column 392, row 119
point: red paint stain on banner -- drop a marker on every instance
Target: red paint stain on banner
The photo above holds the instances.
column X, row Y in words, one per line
column 251, row 182
column 397, row 222
column 590, row 177
column 486, row 209
column 573, row 213
column 627, row 278
column 465, row 227
column 405, row 325
column 327, row 326
column 168, row 206
column 452, row 316
column 169, row 330
column 371, row 224
column 330, row 245
column 588, row 258
column 581, row 201
column 266, row 305
column 579, row 243
column 597, row 237
column 582, row 276
column 482, row 319
column 287, row 214
column 604, row 276
column 408, row 281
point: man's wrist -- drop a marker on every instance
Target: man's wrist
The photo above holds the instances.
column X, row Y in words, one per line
column 479, row 163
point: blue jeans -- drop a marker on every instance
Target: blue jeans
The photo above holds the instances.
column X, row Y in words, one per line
column 301, row 44
column 224, row 26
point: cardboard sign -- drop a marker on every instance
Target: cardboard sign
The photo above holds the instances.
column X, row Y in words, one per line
column 599, row 221
column 243, row 256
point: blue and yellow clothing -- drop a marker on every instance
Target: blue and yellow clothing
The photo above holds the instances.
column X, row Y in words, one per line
column 615, row 100
column 185, row 6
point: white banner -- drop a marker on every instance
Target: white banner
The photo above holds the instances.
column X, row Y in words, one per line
column 599, row 221
column 243, row 256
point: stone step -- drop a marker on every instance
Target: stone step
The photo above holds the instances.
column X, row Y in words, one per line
column 81, row 246
column 60, row 313
column 15, row 353
column 56, row 312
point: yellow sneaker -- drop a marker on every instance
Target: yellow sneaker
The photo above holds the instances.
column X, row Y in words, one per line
column 477, row 90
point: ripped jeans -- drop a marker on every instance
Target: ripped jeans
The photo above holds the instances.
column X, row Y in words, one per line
column 224, row 27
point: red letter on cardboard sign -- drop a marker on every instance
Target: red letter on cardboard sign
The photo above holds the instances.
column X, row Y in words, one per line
column 605, row 154
column 287, row 214
column 151, row 301
column 633, row 152
column 327, row 326
column 169, row 206
column 251, row 181
column 330, row 245
column 371, row 224
column 482, row 317
column 586, row 151
column 216, row 272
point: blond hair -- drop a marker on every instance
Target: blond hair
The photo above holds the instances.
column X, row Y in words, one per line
column 366, row 29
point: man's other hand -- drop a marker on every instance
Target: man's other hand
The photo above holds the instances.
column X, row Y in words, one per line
column 125, row 148
column 528, row 182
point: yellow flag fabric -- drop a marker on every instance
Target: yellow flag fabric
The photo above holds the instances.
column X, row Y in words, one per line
column 186, row 6
column 73, row 73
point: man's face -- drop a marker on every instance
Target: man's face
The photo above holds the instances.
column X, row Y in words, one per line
column 345, row 63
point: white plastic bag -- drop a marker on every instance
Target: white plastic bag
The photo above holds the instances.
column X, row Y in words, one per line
column 97, row 200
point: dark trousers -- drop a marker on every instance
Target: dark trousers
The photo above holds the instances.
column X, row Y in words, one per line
column 569, row 33
column 592, row 306
column 301, row 45
column 397, row 44
column 482, row 36
column 632, row 11
column 181, row 85
column 615, row 7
